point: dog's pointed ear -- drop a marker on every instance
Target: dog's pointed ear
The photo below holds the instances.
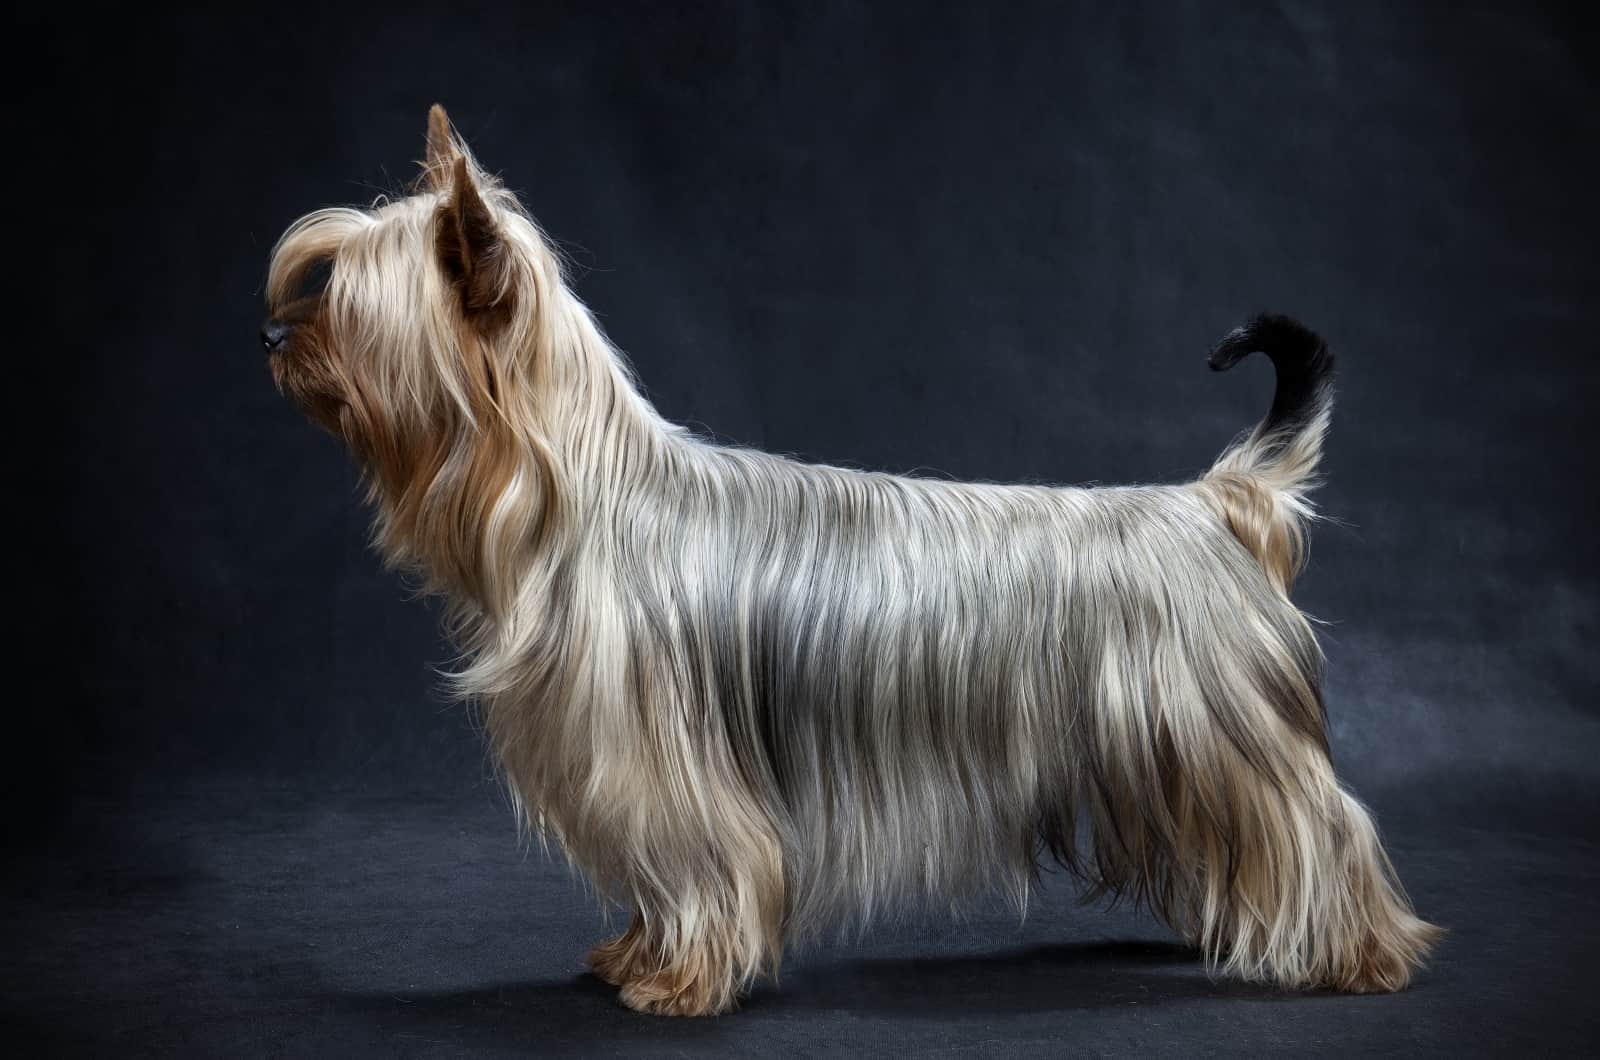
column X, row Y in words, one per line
column 442, row 151
column 472, row 248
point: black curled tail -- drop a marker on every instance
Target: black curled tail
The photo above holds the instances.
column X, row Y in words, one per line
column 1302, row 361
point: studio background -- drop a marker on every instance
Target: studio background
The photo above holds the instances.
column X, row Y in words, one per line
column 960, row 241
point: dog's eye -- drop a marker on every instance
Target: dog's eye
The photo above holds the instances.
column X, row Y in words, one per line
column 315, row 280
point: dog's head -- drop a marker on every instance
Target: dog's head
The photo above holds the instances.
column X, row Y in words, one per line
column 413, row 330
column 398, row 318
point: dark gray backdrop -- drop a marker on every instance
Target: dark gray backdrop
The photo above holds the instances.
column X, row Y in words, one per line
column 990, row 241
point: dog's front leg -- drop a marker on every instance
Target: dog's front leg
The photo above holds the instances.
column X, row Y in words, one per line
column 624, row 958
column 709, row 897
column 692, row 953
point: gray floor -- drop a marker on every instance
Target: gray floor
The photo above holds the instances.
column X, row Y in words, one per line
column 241, row 922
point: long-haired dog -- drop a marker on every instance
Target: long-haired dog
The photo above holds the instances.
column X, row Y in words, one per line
column 750, row 697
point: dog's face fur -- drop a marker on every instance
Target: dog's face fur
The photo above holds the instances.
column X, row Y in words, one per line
column 394, row 320
column 752, row 697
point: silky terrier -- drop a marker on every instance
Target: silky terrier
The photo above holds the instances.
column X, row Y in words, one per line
column 751, row 698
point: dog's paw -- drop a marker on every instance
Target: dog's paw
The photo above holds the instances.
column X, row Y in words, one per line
column 665, row 993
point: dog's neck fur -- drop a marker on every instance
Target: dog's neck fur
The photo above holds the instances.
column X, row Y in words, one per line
column 556, row 470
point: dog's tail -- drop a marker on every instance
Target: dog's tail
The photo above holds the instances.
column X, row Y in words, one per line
column 1260, row 484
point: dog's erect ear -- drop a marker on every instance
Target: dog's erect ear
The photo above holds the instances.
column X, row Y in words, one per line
column 472, row 248
column 443, row 149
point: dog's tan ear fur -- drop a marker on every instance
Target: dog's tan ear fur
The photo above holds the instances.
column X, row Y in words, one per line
column 442, row 151
column 472, row 248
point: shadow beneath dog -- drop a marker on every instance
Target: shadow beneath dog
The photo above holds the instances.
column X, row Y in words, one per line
column 1070, row 976
column 560, row 1017
column 582, row 1012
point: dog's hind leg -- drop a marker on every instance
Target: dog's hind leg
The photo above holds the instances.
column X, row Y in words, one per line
column 1206, row 772
column 1275, row 870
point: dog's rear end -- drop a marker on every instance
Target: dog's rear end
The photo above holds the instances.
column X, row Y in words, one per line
column 1253, row 847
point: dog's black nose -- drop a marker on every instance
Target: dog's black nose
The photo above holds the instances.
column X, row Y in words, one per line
column 274, row 333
